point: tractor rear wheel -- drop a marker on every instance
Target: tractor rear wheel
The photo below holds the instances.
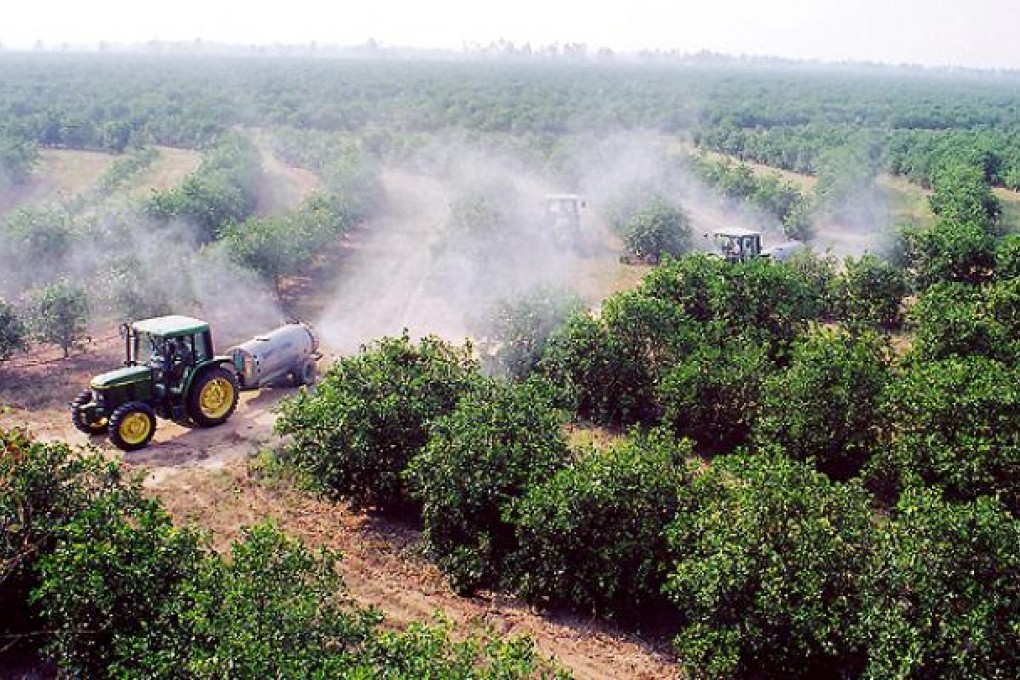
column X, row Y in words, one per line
column 213, row 397
column 132, row 426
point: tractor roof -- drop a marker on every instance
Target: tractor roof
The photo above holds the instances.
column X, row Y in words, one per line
column 736, row 231
column 165, row 326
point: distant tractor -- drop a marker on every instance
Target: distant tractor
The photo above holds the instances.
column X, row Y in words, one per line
column 743, row 245
column 171, row 371
column 563, row 216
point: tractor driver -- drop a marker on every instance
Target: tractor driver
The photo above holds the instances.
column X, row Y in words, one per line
column 175, row 359
column 169, row 352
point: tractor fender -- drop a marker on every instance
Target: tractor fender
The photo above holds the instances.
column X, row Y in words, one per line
column 217, row 361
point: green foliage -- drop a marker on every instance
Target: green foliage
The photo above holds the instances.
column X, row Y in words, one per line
column 629, row 201
column 960, row 320
column 59, row 314
column 1007, row 257
column 593, row 373
column 222, row 190
column 430, row 651
column 12, row 331
column 773, row 298
column 270, row 246
column 112, row 567
column 943, row 593
column 871, row 292
column 95, row 570
column 592, row 536
column 352, row 187
column 961, row 194
column 952, row 424
column 768, row 561
column 43, row 237
column 44, row 486
column 272, row 609
column 501, row 440
column 824, row 408
column 614, row 369
column 819, row 273
column 130, row 294
column 711, row 394
column 846, row 182
column 768, row 192
column 126, row 167
column 373, row 412
column 657, row 230
column 694, row 283
column 518, row 329
column 951, row 252
column 17, row 158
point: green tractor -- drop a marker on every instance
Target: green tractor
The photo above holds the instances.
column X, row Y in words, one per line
column 170, row 370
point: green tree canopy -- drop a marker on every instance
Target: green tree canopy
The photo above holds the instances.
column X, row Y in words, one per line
column 500, row 440
column 59, row 314
column 373, row 412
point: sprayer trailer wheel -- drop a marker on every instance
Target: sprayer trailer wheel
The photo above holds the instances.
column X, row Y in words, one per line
column 306, row 373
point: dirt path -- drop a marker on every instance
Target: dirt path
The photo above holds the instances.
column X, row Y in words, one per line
column 282, row 186
column 399, row 274
column 380, row 290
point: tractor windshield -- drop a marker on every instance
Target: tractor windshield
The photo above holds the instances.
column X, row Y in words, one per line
column 148, row 348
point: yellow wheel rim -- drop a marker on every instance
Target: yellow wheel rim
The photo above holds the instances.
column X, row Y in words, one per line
column 135, row 428
column 216, row 397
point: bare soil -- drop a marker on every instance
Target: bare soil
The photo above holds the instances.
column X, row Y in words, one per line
column 170, row 168
column 282, row 186
column 60, row 175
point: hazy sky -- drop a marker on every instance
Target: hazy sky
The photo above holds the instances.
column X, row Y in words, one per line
column 982, row 33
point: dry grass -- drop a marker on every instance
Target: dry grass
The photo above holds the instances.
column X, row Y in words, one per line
column 168, row 170
column 1010, row 207
column 62, row 173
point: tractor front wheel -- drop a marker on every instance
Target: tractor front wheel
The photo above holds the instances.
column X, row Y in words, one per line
column 81, row 421
column 79, row 417
column 132, row 426
column 213, row 397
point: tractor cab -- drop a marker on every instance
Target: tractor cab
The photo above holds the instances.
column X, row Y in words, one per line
column 563, row 213
column 737, row 245
column 171, row 346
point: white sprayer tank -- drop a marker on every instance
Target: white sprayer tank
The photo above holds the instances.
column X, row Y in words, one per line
column 289, row 351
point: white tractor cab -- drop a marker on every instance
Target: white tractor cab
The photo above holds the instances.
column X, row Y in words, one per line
column 563, row 213
column 735, row 244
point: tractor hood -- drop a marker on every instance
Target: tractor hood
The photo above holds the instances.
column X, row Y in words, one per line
column 122, row 376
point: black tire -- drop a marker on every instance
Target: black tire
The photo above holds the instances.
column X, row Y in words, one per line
column 132, row 426
column 305, row 375
column 82, row 423
column 79, row 418
column 213, row 397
